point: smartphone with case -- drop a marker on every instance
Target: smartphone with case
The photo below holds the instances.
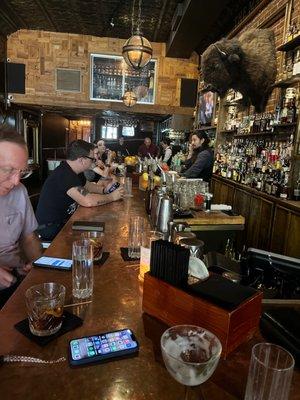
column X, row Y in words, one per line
column 103, row 347
column 53, row 262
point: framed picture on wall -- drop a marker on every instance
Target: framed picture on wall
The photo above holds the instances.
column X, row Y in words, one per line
column 206, row 108
column 111, row 77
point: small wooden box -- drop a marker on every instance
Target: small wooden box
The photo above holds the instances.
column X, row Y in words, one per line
column 175, row 307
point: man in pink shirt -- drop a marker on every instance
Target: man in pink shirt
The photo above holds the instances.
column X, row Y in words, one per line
column 19, row 245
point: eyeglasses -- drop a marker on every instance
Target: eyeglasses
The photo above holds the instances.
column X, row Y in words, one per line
column 9, row 172
column 91, row 158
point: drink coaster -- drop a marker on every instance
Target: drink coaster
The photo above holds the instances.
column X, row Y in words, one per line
column 70, row 322
column 125, row 256
column 102, row 260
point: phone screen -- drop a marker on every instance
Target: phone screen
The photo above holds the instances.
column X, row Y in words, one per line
column 103, row 345
column 53, row 262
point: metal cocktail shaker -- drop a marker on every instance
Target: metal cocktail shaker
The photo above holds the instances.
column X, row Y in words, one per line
column 165, row 214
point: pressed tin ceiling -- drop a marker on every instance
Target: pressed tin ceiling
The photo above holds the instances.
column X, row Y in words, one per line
column 110, row 18
column 202, row 23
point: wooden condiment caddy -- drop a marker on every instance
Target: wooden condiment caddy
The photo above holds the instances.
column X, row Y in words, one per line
column 175, row 307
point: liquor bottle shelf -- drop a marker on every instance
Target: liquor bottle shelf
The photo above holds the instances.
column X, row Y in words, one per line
column 262, row 134
column 287, row 82
column 233, row 102
column 290, row 45
column 230, row 132
column 206, row 128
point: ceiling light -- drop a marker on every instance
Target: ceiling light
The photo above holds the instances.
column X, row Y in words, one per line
column 129, row 98
column 137, row 50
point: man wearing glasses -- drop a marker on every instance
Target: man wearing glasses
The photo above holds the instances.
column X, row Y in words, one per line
column 67, row 187
column 19, row 245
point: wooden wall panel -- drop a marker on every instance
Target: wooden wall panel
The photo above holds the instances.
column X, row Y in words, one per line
column 265, row 224
column 281, row 227
column 42, row 52
column 293, row 235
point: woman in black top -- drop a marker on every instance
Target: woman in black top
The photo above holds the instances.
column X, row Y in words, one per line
column 200, row 165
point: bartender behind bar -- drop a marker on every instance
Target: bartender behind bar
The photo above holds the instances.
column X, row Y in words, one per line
column 200, row 165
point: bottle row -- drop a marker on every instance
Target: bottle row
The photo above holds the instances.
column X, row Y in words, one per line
column 108, row 69
column 286, row 113
column 272, row 182
column 260, row 164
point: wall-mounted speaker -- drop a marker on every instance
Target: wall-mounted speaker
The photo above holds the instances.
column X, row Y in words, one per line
column 188, row 92
column 14, row 77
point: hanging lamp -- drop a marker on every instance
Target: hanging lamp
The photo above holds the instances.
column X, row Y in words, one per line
column 137, row 50
column 129, row 98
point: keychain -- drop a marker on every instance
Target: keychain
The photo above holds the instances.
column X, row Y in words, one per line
column 26, row 359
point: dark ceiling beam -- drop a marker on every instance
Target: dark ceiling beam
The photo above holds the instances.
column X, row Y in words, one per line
column 197, row 19
column 48, row 17
column 13, row 26
column 14, row 16
column 161, row 15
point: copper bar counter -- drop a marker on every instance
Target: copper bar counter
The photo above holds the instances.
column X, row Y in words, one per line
column 116, row 304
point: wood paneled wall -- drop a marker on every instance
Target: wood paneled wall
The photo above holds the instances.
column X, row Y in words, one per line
column 43, row 52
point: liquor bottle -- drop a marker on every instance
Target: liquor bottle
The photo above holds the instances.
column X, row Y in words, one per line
column 297, row 189
column 283, row 189
column 291, row 111
column 284, row 113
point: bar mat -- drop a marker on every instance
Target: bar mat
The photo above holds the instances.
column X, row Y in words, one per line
column 182, row 214
column 70, row 322
column 125, row 256
column 102, row 260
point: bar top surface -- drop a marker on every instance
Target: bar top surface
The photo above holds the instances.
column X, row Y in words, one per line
column 117, row 303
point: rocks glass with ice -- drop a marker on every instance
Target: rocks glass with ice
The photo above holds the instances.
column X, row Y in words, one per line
column 45, row 304
column 191, row 354
column 82, row 269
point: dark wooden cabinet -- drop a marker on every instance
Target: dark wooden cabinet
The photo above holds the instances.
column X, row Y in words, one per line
column 269, row 223
column 293, row 236
column 223, row 193
column 265, row 221
column 286, row 232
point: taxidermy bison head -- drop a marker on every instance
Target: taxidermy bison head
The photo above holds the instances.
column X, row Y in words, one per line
column 246, row 64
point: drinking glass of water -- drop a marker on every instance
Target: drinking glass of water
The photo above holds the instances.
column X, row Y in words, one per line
column 128, row 187
column 270, row 373
column 135, row 238
column 82, row 270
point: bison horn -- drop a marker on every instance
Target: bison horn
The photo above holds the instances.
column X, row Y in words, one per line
column 222, row 53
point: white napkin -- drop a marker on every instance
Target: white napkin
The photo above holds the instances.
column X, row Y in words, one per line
column 220, row 207
column 197, row 268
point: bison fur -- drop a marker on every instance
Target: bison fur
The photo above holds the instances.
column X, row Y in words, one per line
column 246, row 64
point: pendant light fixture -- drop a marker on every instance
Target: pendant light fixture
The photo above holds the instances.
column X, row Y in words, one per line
column 137, row 50
column 129, row 98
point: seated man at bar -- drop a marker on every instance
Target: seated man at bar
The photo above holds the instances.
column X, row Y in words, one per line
column 67, row 187
column 19, row 245
column 147, row 148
